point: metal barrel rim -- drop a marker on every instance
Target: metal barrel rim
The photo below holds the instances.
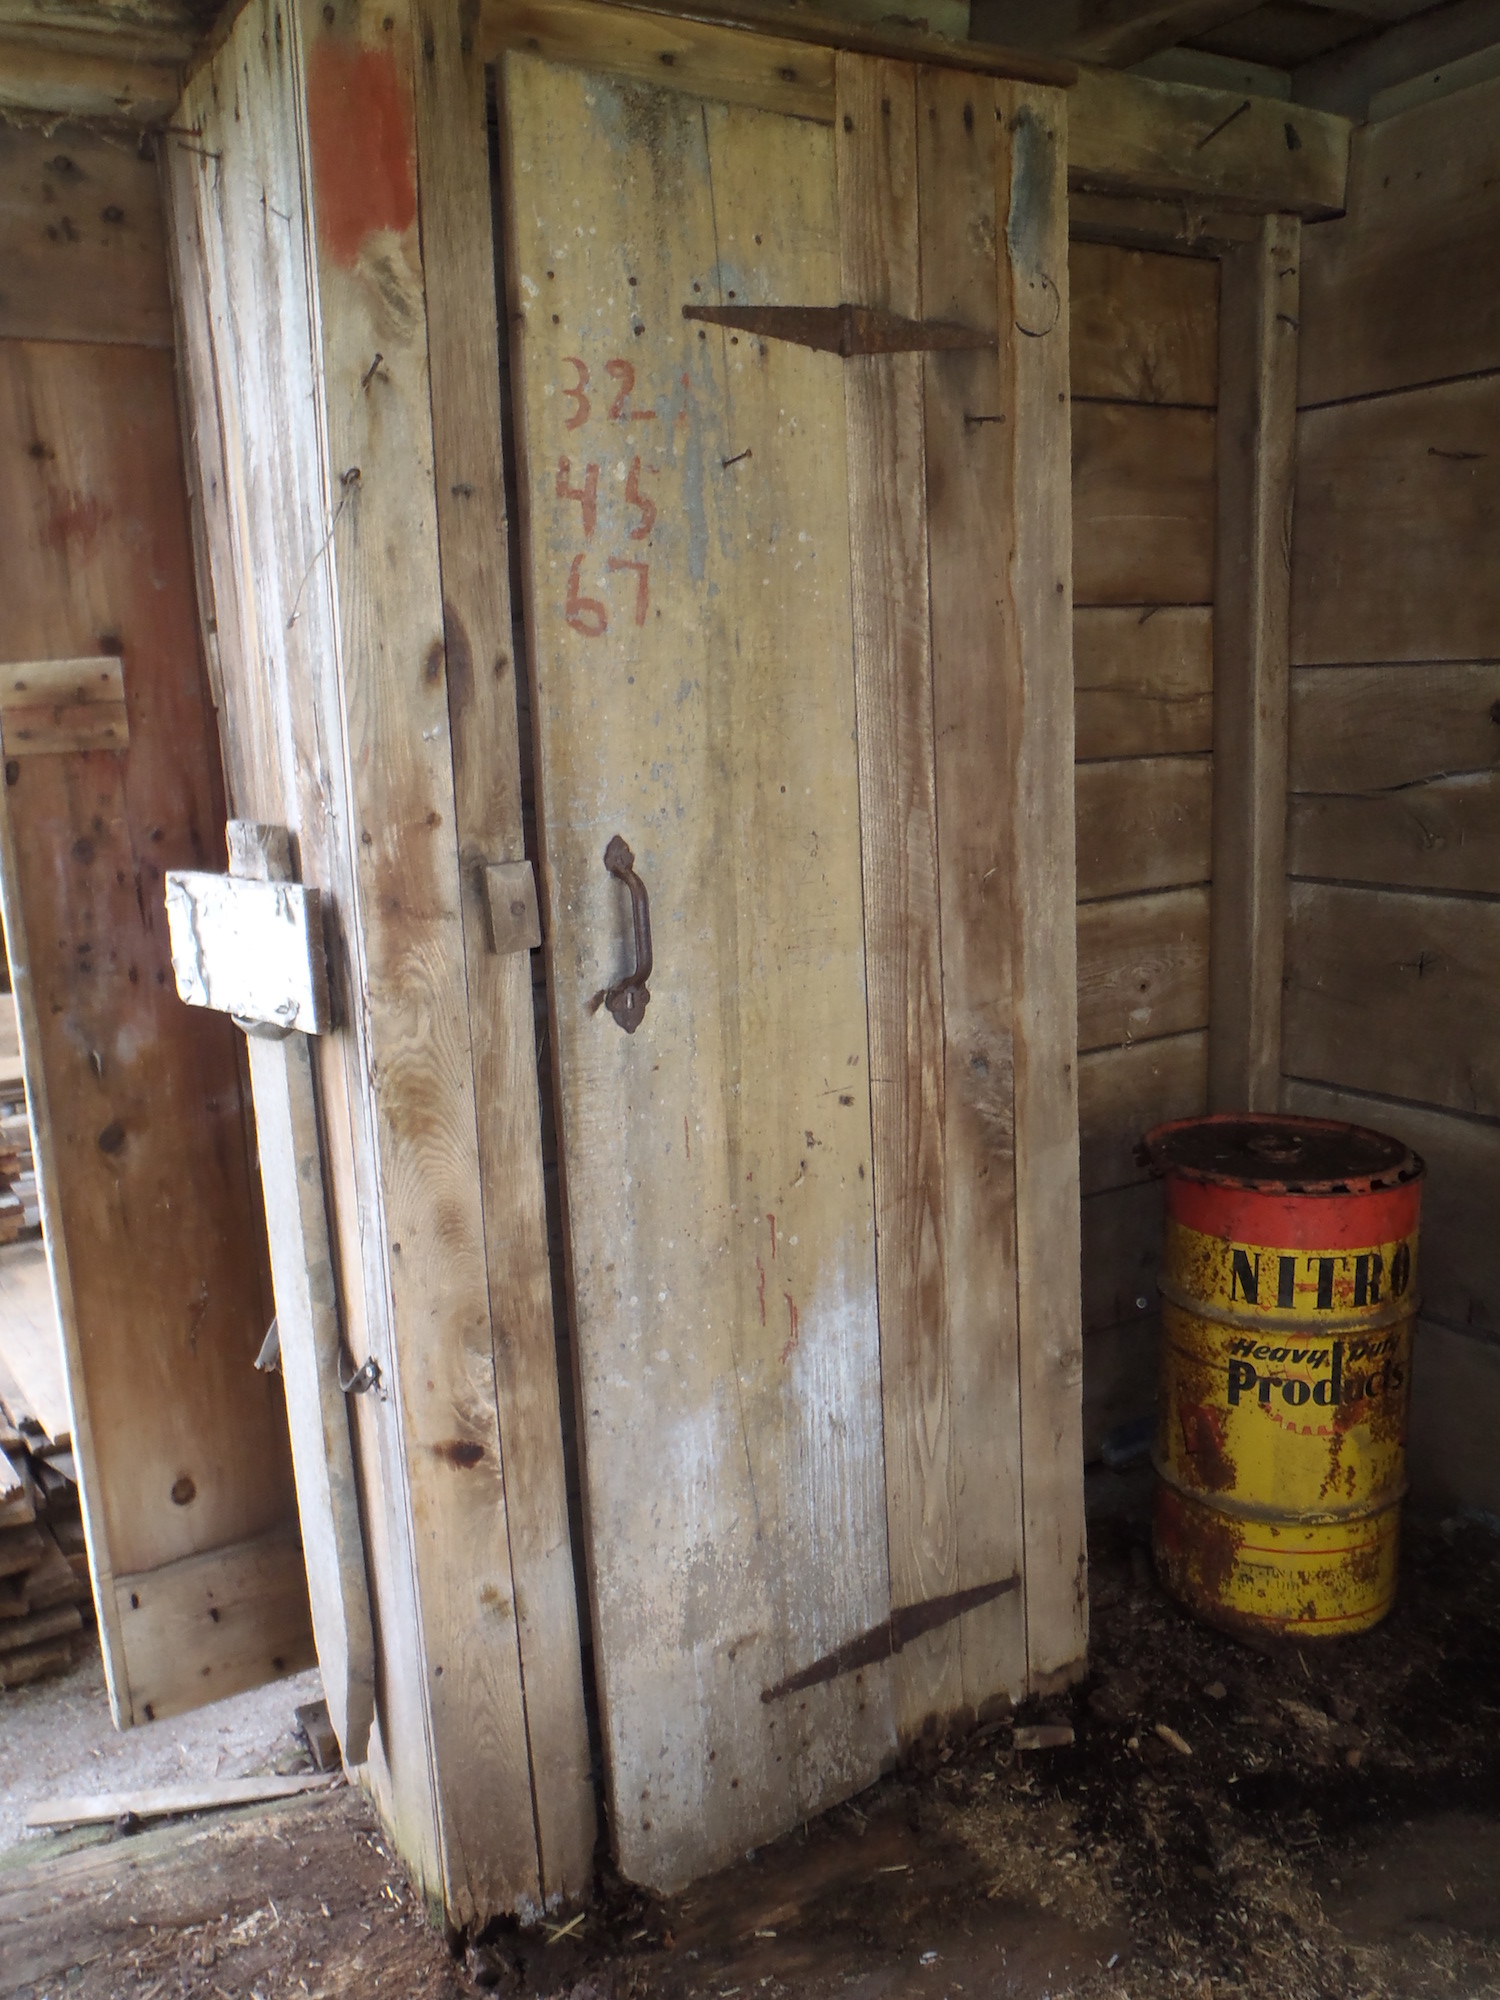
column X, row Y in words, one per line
column 1336, row 1326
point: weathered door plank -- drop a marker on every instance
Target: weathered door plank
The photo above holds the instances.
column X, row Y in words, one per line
column 459, row 271
column 960, row 144
column 876, row 145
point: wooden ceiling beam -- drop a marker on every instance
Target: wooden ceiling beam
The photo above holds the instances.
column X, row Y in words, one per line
column 83, row 76
column 1116, row 32
column 114, row 59
column 1130, row 135
column 1347, row 78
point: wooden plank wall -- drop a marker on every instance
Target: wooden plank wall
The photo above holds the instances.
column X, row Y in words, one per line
column 1144, row 382
column 149, row 1196
column 1393, row 854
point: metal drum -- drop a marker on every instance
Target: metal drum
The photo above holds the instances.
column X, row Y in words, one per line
column 1288, row 1295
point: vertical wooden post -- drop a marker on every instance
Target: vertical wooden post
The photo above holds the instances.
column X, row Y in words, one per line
column 1032, row 257
column 458, row 267
column 1252, row 594
column 405, row 934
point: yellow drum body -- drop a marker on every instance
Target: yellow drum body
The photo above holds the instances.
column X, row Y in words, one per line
column 1288, row 1295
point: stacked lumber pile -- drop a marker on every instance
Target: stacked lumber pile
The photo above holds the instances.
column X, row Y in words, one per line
column 44, row 1573
column 18, row 1199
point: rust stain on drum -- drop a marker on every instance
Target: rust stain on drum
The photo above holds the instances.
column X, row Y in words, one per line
column 1289, row 1296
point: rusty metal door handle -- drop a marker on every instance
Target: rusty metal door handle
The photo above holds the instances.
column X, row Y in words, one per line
column 627, row 998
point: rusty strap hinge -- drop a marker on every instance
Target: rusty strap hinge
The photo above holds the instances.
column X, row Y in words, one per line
column 845, row 330
column 909, row 1623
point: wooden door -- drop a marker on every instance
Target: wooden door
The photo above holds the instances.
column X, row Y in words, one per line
column 143, row 1141
column 777, row 660
column 695, row 691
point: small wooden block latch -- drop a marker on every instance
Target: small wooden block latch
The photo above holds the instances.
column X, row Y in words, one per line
column 250, row 949
column 515, row 919
column 52, row 707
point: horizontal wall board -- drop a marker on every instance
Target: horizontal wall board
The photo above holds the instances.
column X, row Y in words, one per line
column 1459, row 1260
column 82, row 241
column 1143, row 504
column 1440, row 835
column 1395, row 775
column 1142, row 967
column 1395, row 528
column 1143, row 325
column 1394, row 993
column 1122, row 1093
column 1119, row 1380
column 211, row 1625
column 1371, row 729
column 1455, row 1418
column 1143, row 823
column 1122, row 1250
column 1402, row 290
column 1143, row 680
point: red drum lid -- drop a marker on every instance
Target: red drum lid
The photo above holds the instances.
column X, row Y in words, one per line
column 1266, row 1153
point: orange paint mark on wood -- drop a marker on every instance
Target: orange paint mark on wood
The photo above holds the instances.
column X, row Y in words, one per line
column 794, row 1325
column 359, row 116
column 74, row 520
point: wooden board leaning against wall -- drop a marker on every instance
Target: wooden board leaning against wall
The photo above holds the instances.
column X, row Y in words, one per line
column 149, row 1200
column 1393, row 937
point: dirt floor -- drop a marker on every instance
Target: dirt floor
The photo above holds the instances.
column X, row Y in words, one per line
column 56, row 1739
column 1297, row 1823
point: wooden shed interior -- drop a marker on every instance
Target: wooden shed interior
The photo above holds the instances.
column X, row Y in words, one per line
column 1077, row 426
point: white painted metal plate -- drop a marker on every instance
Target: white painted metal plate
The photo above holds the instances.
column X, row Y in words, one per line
column 250, row 949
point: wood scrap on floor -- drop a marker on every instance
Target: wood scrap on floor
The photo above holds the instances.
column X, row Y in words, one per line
column 168, row 1801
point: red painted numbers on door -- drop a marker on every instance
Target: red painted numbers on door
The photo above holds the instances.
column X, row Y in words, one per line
column 585, row 614
column 623, row 372
column 642, row 584
column 586, row 495
column 576, row 395
column 590, row 615
column 635, row 498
